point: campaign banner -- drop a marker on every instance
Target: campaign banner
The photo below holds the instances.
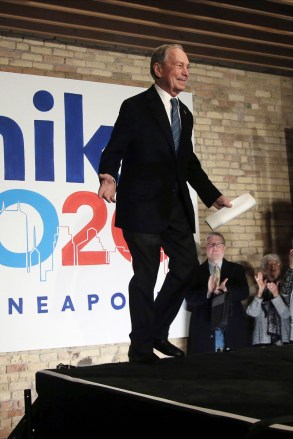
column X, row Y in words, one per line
column 65, row 267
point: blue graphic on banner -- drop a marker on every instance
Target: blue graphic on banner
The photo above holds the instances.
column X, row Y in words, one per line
column 48, row 213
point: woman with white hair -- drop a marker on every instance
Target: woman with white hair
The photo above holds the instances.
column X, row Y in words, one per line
column 270, row 305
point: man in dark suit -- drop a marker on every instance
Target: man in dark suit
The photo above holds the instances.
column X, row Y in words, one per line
column 154, row 208
column 199, row 301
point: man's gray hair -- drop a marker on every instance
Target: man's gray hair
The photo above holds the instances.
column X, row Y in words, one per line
column 159, row 55
column 219, row 235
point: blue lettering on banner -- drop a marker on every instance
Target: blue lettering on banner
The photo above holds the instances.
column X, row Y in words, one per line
column 68, row 304
column 18, row 306
column 13, row 141
column 92, row 300
column 13, row 149
column 114, row 300
column 42, row 305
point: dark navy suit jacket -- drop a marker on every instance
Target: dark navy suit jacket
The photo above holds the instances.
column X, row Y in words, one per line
column 142, row 141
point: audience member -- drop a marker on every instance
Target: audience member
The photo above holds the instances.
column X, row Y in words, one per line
column 287, row 290
column 269, row 307
column 232, row 279
column 287, row 279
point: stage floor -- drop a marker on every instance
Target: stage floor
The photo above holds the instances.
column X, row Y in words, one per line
column 243, row 391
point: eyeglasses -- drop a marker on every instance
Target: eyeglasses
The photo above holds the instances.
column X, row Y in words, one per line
column 272, row 264
column 215, row 244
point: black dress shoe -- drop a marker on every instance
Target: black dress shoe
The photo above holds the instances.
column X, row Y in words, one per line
column 139, row 358
column 167, row 348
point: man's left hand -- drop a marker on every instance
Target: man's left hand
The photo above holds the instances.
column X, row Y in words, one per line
column 222, row 201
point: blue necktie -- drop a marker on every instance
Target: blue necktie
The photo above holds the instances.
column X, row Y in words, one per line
column 175, row 122
column 219, row 335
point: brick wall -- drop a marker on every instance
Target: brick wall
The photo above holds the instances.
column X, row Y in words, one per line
column 242, row 120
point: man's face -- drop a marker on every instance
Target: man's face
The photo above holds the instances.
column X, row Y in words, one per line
column 173, row 74
column 215, row 249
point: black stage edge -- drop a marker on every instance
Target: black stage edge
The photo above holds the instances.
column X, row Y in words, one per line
column 246, row 393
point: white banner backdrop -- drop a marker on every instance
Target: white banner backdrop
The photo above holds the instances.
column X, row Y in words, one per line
column 65, row 268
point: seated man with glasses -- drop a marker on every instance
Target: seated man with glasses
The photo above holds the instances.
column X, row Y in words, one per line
column 217, row 275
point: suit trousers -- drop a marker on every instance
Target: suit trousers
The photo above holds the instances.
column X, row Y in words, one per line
column 152, row 313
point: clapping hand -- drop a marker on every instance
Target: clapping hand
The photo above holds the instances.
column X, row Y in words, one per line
column 273, row 288
column 261, row 283
column 217, row 289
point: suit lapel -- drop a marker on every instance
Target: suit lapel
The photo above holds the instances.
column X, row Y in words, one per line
column 206, row 270
column 225, row 270
column 182, row 115
column 158, row 111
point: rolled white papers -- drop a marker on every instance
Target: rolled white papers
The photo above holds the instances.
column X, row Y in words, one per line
column 239, row 205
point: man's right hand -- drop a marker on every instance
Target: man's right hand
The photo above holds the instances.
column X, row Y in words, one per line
column 107, row 189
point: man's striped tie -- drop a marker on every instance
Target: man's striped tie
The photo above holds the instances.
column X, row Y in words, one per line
column 216, row 275
column 175, row 122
